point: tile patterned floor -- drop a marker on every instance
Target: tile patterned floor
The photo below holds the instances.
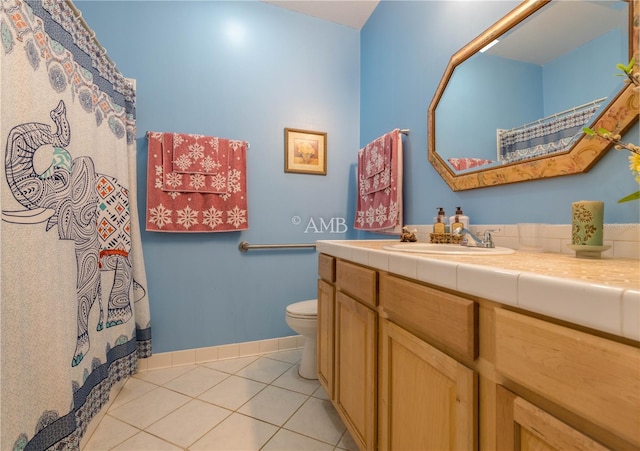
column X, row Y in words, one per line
column 245, row 403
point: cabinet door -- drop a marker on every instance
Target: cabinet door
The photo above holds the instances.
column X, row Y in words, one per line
column 325, row 343
column 523, row 426
column 427, row 400
column 593, row 377
column 355, row 369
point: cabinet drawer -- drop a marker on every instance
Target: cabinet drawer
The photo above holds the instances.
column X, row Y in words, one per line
column 359, row 282
column 449, row 319
column 327, row 267
column 594, row 377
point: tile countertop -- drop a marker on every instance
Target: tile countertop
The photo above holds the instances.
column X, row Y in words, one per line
column 603, row 294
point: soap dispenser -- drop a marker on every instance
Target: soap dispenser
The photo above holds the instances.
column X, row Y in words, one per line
column 459, row 220
column 440, row 222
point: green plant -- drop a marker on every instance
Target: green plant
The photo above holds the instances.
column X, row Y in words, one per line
column 615, row 138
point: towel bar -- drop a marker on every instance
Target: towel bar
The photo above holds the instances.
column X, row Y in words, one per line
column 147, row 136
column 244, row 246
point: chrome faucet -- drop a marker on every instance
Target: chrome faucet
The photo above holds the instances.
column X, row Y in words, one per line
column 485, row 241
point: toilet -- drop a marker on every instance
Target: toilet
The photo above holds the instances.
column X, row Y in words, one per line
column 302, row 317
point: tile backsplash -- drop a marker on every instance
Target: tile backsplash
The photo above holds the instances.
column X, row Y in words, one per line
column 624, row 239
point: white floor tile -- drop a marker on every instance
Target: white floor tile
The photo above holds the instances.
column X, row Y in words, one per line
column 150, row 407
column 163, row 375
column 320, row 393
column 231, row 366
column 289, row 356
column 196, row 381
column 347, row 442
column 265, row 405
column 317, row 419
column 188, row 423
column 109, row 433
column 273, row 405
column 291, row 380
column 291, row 441
column 133, row 388
column 146, row 442
column 232, row 392
column 264, row 370
column 237, row 432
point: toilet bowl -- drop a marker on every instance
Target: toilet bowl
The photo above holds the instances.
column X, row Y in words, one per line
column 302, row 317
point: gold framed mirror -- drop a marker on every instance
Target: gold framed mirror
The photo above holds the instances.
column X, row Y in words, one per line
column 617, row 113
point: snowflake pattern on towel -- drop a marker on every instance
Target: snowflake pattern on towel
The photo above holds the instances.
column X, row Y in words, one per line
column 176, row 201
column 379, row 201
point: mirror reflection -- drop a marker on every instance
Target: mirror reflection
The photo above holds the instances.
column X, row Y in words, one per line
column 529, row 94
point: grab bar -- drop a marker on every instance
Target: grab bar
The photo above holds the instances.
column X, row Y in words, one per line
column 245, row 246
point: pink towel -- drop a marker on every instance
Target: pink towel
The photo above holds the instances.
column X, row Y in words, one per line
column 379, row 207
column 199, row 154
column 375, row 156
column 467, row 163
column 171, row 209
column 185, row 182
column 375, row 161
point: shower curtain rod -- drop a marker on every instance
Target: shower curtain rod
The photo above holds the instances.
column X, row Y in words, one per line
column 555, row 115
column 245, row 246
column 92, row 33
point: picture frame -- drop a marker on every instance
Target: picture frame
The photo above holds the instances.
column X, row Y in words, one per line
column 305, row 151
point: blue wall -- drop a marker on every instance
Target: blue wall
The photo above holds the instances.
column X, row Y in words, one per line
column 490, row 88
column 405, row 49
column 593, row 66
column 246, row 70
column 242, row 70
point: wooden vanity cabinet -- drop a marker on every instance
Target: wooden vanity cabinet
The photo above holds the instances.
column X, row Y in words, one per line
column 524, row 426
column 584, row 389
column 356, row 363
column 326, row 308
column 427, row 398
column 416, row 367
column 347, row 344
column 325, row 340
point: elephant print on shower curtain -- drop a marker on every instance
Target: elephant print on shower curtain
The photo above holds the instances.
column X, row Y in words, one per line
column 89, row 208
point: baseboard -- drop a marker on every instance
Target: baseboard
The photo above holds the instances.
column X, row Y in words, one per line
column 212, row 353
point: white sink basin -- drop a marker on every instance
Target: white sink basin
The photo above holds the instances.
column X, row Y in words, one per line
column 447, row 249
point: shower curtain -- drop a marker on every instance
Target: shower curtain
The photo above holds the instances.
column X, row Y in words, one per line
column 74, row 311
column 549, row 135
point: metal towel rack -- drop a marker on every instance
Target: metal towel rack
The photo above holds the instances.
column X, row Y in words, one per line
column 148, row 133
column 245, row 246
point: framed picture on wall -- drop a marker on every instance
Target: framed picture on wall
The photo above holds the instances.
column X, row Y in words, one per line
column 305, row 151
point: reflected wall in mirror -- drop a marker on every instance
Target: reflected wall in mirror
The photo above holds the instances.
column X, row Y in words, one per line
column 515, row 112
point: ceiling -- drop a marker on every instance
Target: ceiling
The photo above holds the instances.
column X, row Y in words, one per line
column 559, row 28
column 541, row 34
column 351, row 13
